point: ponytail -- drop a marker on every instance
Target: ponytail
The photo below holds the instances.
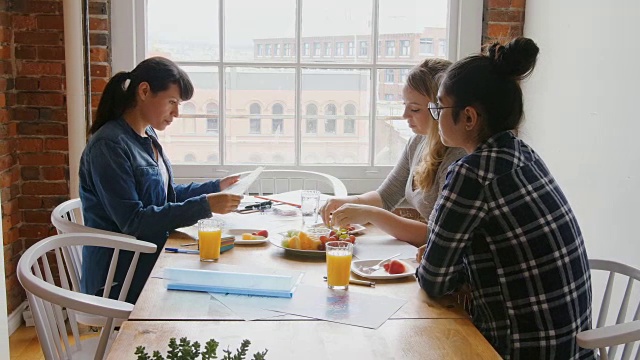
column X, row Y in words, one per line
column 115, row 99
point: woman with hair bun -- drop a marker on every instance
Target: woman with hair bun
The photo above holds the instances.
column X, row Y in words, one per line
column 502, row 223
column 126, row 182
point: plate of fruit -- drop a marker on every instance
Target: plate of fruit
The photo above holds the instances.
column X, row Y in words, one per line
column 311, row 242
column 353, row 229
column 249, row 236
column 392, row 269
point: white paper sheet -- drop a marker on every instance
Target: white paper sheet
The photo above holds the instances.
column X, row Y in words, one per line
column 248, row 313
column 244, row 183
column 383, row 246
column 345, row 307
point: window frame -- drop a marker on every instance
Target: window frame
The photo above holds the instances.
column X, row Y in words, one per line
column 464, row 33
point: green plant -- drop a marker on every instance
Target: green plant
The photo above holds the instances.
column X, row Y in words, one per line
column 186, row 350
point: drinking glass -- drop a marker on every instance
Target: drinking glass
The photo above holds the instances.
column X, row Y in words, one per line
column 209, row 239
column 339, row 254
column 309, row 205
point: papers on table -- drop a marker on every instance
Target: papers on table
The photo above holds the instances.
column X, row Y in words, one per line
column 345, row 307
column 232, row 282
column 244, row 183
column 383, row 246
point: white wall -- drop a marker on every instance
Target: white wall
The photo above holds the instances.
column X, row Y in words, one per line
column 582, row 115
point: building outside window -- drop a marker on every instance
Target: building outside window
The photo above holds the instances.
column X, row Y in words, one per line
column 277, row 123
column 364, row 48
column 379, row 47
column 330, row 119
column 404, row 47
column 259, row 50
column 287, row 49
column 317, row 48
column 442, row 48
column 349, row 121
column 404, row 73
column 212, row 118
column 351, row 48
column 389, row 76
column 426, row 46
column 311, row 122
column 255, row 121
column 305, row 52
column 188, row 123
column 268, row 50
column 388, row 97
column 277, row 49
column 391, row 47
column 340, row 48
column 327, row 49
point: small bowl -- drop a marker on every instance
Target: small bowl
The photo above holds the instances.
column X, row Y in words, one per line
column 316, row 232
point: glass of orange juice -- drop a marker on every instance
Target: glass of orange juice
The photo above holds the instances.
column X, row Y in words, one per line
column 339, row 254
column 209, row 239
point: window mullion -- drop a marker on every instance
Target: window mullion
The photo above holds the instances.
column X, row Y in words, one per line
column 222, row 108
column 374, row 84
column 298, row 84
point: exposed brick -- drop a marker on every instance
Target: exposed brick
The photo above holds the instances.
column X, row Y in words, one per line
column 4, row 115
column 44, row 188
column 41, row 99
column 11, row 236
column 9, row 206
column 30, row 172
column 24, row 114
column 498, row 30
column 53, row 173
column 22, row 22
column 518, row 4
column 26, row 83
column 38, row 38
column 52, row 83
column 50, row 202
column 97, row 8
column 44, row 7
column 30, row 145
column 59, row 144
column 99, row 39
column 5, row 35
column 99, row 54
column 98, row 84
column 37, row 216
column 96, row 23
column 505, row 16
column 58, row 115
column 42, row 159
column 51, row 52
column 494, row 4
column 40, row 68
column 50, row 22
column 26, row 52
column 34, row 231
column 34, row 128
column 30, row 202
column 6, row 161
column 5, row 52
column 99, row 70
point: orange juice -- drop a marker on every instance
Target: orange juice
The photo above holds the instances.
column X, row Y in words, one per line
column 209, row 243
column 338, row 269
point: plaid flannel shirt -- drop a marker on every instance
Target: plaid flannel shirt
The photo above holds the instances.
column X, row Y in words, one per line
column 503, row 226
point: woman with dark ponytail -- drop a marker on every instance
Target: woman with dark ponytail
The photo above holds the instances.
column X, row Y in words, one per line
column 502, row 223
column 126, row 182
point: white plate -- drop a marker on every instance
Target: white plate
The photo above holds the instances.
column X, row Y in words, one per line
column 296, row 251
column 238, row 234
column 357, row 228
column 380, row 274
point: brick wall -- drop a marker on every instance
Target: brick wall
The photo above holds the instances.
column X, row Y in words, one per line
column 34, row 171
column 502, row 20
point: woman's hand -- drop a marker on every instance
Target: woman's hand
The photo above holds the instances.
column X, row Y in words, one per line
column 330, row 206
column 223, row 203
column 352, row 214
column 420, row 253
column 228, row 181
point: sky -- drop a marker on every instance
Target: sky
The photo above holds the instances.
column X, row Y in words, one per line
column 251, row 19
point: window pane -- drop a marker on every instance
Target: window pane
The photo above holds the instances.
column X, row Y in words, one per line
column 192, row 40
column 329, row 97
column 406, row 24
column 392, row 131
column 260, row 106
column 191, row 133
column 270, row 25
column 335, row 26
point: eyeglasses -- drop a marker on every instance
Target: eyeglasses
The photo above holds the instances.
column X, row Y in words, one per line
column 436, row 109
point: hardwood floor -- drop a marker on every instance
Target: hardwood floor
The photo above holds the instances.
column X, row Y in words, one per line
column 24, row 345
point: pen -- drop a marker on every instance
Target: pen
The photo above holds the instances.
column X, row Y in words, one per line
column 359, row 282
column 186, row 251
column 274, row 200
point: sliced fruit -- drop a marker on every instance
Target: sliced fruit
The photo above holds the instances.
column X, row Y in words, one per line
column 285, row 242
column 294, row 243
column 396, row 267
column 247, row 236
column 264, row 233
column 386, row 267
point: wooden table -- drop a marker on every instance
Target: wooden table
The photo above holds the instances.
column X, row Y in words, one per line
column 423, row 328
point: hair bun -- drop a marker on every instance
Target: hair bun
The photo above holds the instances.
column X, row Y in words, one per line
column 515, row 59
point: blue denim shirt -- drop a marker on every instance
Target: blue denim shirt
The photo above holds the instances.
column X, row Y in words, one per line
column 122, row 190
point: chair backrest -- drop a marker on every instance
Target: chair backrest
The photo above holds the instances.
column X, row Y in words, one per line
column 626, row 329
column 279, row 181
column 43, row 272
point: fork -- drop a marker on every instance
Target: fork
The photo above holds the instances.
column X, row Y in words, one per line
column 371, row 269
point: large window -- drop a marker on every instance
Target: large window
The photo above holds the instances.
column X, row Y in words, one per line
column 332, row 80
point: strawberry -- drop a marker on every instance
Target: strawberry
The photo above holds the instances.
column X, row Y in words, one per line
column 264, row 233
column 386, row 267
column 396, row 267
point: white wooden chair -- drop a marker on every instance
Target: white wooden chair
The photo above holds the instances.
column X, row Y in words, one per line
column 48, row 296
column 67, row 218
column 279, row 181
column 624, row 331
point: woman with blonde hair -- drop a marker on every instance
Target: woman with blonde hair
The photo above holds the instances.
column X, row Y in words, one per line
column 417, row 177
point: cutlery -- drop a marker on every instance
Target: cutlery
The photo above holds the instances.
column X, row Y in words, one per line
column 371, row 269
